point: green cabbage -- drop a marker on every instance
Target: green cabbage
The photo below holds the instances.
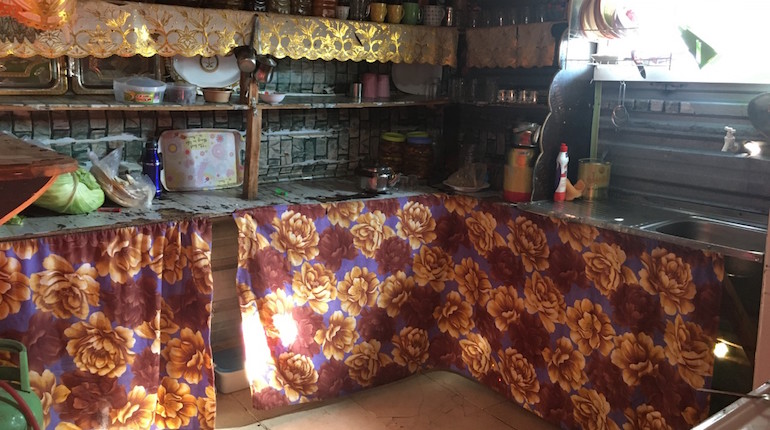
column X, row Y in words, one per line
column 73, row 193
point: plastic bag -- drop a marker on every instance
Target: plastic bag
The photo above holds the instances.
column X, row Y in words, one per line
column 76, row 192
column 130, row 191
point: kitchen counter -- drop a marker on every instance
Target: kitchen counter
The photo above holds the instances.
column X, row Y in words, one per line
column 634, row 215
column 210, row 204
column 626, row 215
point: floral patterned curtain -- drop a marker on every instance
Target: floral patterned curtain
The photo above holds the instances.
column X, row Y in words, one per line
column 116, row 323
column 584, row 327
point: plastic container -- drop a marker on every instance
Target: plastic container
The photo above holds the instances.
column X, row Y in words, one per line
column 181, row 93
column 230, row 373
column 391, row 151
column 595, row 174
column 418, row 156
column 562, row 161
column 138, row 89
column 417, row 133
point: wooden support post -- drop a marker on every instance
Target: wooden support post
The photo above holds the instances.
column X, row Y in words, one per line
column 253, row 136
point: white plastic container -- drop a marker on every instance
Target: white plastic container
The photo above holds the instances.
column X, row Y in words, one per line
column 181, row 93
column 230, row 374
column 138, row 89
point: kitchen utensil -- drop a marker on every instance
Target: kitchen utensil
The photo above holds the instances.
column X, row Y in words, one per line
column 342, row 12
column 433, row 15
column 359, row 10
column 414, row 78
column 356, row 91
column 180, row 93
column 201, row 159
column 639, row 64
column 595, row 173
column 370, row 85
column 272, row 98
column 395, row 13
column 217, row 95
column 344, row 197
column 265, row 63
column 759, row 113
column 620, row 113
column 208, row 72
column 247, row 57
column 377, row 179
column 378, row 11
column 412, row 13
column 383, row 86
column 764, row 396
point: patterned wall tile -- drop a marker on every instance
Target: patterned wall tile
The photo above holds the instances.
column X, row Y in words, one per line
column 295, row 143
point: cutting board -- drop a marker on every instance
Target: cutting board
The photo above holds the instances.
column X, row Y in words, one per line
column 201, row 159
column 26, row 171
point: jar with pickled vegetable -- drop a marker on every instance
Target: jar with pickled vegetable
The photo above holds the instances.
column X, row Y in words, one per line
column 418, row 156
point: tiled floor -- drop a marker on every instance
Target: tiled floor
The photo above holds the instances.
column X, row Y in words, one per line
column 434, row 400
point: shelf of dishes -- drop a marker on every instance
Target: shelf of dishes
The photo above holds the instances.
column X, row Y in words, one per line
column 189, row 32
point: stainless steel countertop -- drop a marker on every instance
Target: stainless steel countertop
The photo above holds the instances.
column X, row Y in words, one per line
column 631, row 215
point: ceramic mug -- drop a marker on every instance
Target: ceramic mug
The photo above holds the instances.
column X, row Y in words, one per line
column 370, row 85
column 395, row 13
column 359, row 10
column 378, row 11
column 433, row 15
column 412, row 13
column 383, row 86
column 342, row 12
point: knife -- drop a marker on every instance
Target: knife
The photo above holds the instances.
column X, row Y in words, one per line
column 639, row 64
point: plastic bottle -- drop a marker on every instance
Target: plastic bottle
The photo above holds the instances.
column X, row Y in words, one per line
column 562, row 160
column 729, row 145
column 151, row 164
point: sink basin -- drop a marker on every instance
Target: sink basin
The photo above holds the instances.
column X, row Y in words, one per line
column 716, row 232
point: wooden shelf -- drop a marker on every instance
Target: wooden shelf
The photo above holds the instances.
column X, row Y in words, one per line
column 533, row 106
column 96, row 102
column 344, row 102
column 105, row 102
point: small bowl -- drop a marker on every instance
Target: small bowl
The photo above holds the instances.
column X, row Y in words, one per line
column 272, row 98
column 217, row 95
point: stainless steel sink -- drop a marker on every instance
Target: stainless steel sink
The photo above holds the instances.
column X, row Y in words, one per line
column 713, row 231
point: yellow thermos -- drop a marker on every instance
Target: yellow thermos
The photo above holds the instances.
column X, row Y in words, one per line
column 517, row 179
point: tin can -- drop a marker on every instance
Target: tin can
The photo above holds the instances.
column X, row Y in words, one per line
column 356, row 91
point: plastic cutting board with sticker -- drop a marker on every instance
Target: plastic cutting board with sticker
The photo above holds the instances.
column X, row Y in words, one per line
column 201, row 159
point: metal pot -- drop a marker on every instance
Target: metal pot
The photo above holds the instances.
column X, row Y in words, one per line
column 265, row 66
column 376, row 179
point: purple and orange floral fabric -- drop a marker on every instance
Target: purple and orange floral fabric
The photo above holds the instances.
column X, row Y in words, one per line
column 116, row 324
column 585, row 327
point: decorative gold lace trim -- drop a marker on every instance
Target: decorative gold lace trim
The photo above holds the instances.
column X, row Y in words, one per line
column 99, row 28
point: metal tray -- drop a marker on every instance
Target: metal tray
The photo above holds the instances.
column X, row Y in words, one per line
column 92, row 75
column 34, row 75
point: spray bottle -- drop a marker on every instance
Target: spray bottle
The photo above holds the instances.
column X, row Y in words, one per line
column 562, row 160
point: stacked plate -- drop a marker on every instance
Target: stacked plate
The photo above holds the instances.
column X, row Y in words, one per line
column 207, row 72
column 606, row 19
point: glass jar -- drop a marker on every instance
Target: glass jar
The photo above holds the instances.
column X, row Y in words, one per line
column 418, row 157
column 391, row 151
